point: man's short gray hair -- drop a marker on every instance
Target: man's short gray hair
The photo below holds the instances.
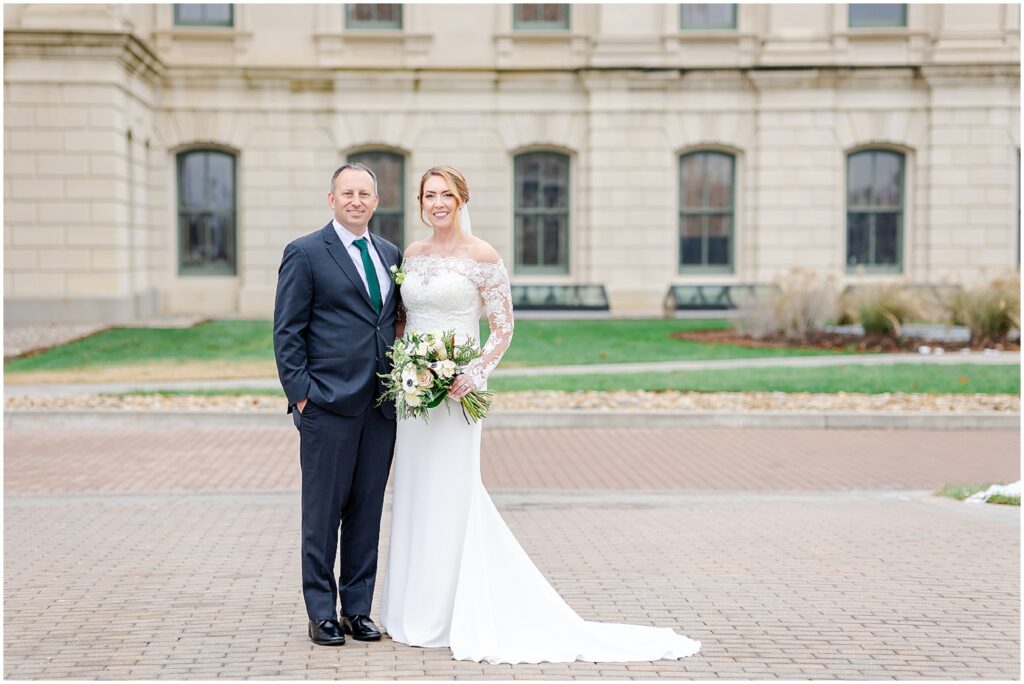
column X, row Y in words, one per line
column 359, row 166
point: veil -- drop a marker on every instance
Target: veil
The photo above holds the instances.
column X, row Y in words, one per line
column 465, row 225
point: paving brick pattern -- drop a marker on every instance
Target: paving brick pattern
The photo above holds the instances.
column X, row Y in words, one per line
column 148, row 554
column 248, row 459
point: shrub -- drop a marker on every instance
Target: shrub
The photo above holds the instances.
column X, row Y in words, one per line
column 882, row 309
column 801, row 301
column 991, row 311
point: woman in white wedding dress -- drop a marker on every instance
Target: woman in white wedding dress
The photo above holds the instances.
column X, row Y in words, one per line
column 456, row 575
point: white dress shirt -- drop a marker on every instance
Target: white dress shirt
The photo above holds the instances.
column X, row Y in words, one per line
column 383, row 276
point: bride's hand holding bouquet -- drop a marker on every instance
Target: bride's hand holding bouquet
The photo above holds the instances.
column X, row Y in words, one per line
column 425, row 368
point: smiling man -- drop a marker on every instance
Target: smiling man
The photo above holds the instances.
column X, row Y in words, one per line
column 334, row 319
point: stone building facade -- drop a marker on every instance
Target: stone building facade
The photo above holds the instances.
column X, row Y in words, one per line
column 157, row 158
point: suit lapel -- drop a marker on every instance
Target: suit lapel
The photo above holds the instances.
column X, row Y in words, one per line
column 336, row 249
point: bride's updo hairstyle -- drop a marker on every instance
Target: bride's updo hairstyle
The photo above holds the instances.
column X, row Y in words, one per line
column 456, row 183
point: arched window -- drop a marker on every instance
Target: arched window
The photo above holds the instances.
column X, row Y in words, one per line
column 542, row 212
column 206, row 212
column 389, row 219
column 706, row 212
column 874, row 211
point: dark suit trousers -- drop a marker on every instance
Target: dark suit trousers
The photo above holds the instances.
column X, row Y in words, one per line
column 345, row 464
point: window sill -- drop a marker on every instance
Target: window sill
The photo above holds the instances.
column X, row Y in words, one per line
column 866, row 46
column 711, row 47
column 224, row 34
column 878, row 32
column 896, row 34
column 874, row 271
column 706, row 36
column 180, row 39
column 563, row 48
column 346, row 46
column 539, row 277
column 717, row 276
column 200, row 272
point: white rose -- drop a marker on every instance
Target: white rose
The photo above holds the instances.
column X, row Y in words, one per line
column 412, row 399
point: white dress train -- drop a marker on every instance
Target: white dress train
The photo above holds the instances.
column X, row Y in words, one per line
column 456, row 575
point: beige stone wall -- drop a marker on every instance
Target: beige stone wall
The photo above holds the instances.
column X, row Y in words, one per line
column 100, row 98
column 78, row 110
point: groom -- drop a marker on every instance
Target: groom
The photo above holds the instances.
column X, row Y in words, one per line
column 334, row 318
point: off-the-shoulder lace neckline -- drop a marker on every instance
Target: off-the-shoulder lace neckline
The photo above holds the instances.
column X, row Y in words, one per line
column 499, row 262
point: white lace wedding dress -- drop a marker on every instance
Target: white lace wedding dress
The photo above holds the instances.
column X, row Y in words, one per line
column 456, row 575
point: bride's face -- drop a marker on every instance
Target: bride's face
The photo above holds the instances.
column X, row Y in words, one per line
column 439, row 204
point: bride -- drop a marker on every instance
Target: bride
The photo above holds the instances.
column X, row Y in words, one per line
column 456, row 575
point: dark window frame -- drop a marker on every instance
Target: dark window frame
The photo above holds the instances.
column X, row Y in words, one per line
column 873, row 212
column 561, row 25
column 178, row 21
column 517, row 211
column 360, row 24
column 232, row 246
column 710, row 27
column 399, row 211
column 705, row 211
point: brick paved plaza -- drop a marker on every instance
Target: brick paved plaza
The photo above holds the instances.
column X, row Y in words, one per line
column 789, row 553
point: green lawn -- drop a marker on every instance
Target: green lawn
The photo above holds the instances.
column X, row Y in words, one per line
column 558, row 343
column 912, row 378
column 546, row 342
column 536, row 343
column 212, row 341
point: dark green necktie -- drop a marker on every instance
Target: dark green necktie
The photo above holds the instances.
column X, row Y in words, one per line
column 371, row 274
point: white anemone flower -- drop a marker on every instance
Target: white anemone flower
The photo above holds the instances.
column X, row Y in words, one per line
column 409, row 377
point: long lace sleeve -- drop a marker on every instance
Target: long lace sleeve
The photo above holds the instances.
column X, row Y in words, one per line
column 493, row 284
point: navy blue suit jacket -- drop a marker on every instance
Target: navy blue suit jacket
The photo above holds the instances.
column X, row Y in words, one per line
column 329, row 342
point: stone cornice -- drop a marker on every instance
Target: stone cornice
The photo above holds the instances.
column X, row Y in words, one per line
column 131, row 52
column 138, row 57
column 327, row 72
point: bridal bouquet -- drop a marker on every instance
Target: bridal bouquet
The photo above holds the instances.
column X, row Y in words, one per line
column 425, row 366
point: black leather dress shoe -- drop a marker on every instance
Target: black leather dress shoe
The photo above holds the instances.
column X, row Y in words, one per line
column 361, row 627
column 326, row 632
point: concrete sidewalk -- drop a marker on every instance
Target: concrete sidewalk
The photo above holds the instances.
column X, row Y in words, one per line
column 173, row 554
column 58, row 419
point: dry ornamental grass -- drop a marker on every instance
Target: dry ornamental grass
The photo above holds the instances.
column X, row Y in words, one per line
column 991, row 311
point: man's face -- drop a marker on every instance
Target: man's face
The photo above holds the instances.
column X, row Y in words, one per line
column 353, row 200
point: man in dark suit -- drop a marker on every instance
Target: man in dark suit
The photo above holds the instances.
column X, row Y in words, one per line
column 334, row 319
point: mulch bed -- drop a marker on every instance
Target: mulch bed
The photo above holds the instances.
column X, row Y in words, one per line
column 838, row 342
